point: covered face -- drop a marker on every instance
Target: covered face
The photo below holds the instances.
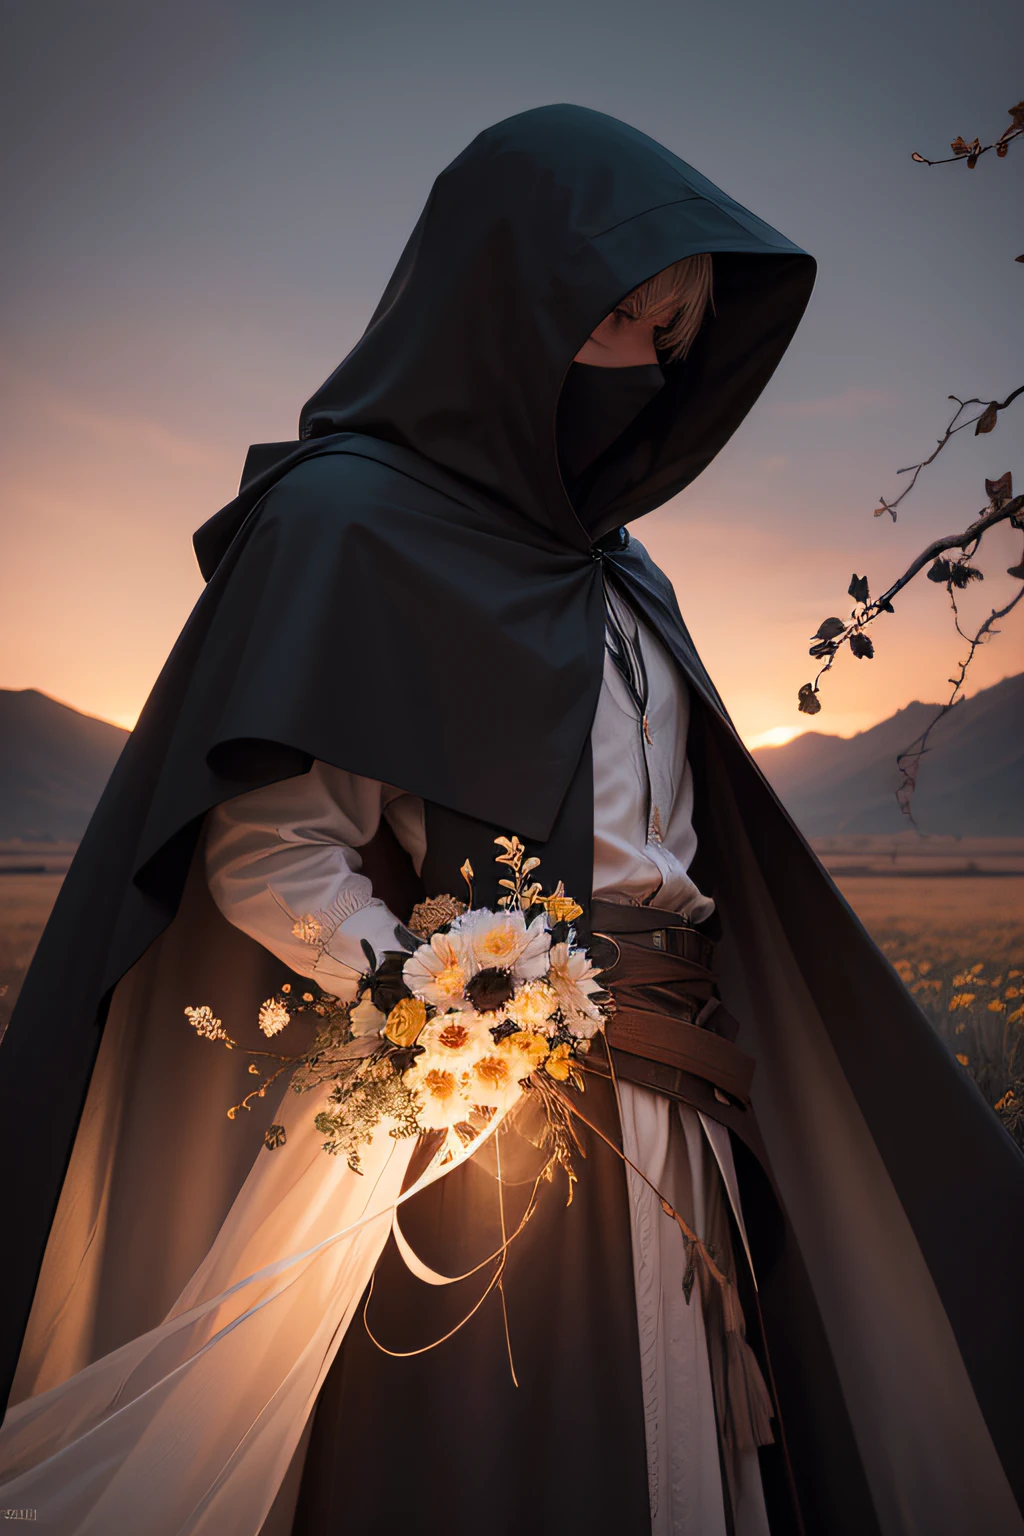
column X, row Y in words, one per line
column 529, row 239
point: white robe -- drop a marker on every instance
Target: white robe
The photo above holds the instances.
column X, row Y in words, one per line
column 293, row 847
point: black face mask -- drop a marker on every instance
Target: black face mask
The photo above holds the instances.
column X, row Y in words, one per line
column 594, row 409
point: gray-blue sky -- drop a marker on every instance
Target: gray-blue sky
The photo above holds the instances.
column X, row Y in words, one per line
column 205, row 202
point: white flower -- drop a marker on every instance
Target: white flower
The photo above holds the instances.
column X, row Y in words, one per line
column 308, row 928
column 455, row 1039
column 532, row 1006
column 437, row 972
column 452, row 1042
column 493, row 1081
column 502, row 940
column 273, row 1016
column 575, row 981
column 204, row 1023
column 440, row 1088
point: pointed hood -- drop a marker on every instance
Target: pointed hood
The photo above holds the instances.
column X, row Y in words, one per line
column 527, row 241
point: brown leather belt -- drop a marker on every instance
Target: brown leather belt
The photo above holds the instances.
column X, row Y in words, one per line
column 663, row 986
column 653, row 929
column 670, row 1042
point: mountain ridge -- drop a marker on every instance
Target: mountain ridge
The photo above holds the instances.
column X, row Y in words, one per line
column 970, row 782
column 55, row 760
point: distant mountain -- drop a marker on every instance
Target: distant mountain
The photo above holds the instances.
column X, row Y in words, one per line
column 971, row 782
column 54, row 763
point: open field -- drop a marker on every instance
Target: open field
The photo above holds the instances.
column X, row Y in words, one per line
column 35, row 858
column 958, row 943
column 25, row 902
column 958, row 920
column 956, row 939
column 909, row 855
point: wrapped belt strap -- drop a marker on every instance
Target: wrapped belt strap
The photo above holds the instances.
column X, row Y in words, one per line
column 657, row 1037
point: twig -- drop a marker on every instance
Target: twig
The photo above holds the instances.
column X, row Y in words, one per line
column 973, row 152
column 909, row 762
column 990, row 406
column 968, row 540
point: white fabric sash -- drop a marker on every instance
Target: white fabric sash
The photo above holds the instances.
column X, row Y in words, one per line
column 189, row 1429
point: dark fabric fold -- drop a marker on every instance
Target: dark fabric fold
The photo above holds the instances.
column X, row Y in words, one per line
column 409, row 593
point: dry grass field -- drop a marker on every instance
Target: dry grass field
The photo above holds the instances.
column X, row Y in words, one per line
column 958, row 943
column 25, row 902
column 956, row 939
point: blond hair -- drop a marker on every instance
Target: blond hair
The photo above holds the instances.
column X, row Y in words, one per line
column 680, row 294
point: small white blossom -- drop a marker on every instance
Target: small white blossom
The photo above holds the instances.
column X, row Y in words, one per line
column 308, row 928
column 575, row 980
column 273, row 1016
column 204, row 1023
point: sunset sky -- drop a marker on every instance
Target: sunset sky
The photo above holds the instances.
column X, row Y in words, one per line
column 204, row 201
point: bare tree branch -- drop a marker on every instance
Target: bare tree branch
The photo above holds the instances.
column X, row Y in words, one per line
column 985, row 419
column 954, row 574
column 834, row 633
column 973, row 152
column 909, row 761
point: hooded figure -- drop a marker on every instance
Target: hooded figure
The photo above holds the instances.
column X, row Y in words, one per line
column 427, row 594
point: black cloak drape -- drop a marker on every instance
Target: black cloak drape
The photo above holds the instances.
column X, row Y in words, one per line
column 409, row 593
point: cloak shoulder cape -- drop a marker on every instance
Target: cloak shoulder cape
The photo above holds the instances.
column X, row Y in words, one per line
column 423, row 508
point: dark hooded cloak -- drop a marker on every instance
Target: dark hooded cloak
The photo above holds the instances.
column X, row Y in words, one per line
column 463, row 664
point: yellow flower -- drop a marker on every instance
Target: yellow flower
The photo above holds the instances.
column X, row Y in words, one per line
column 923, row 967
column 997, row 1005
column 904, row 969
column 532, row 1006
column 961, row 1000
column 1007, row 1099
column 1017, row 1016
column 559, row 1063
column 1012, row 991
column 527, row 1050
column 405, row 1021
column 963, row 1060
column 560, row 907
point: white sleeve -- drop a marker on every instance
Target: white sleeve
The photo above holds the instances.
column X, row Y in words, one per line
column 289, row 851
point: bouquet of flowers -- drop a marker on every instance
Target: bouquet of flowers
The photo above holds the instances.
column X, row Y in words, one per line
column 482, row 1008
